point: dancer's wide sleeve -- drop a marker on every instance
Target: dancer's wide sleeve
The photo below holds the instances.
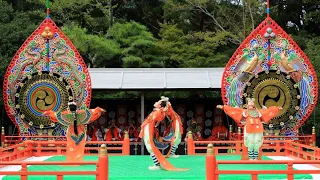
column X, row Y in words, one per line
column 268, row 114
column 234, row 113
column 87, row 116
column 52, row 115
column 95, row 114
column 154, row 117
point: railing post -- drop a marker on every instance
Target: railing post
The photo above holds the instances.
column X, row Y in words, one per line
column 254, row 177
column 5, row 143
column 24, row 171
column 239, row 134
column 230, row 133
column 300, row 155
column 244, row 155
column 313, row 136
column 190, row 144
column 260, row 153
column 290, row 168
column 103, row 163
column 210, row 163
column 2, row 137
column 29, row 147
column 38, row 149
column 286, row 148
column 126, row 144
column 59, row 177
column 59, row 150
column 278, row 150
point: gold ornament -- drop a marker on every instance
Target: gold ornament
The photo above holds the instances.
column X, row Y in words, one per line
column 47, row 34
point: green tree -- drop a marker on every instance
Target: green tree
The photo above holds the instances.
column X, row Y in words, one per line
column 146, row 12
column 196, row 49
column 236, row 18
column 137, row 45
column 94, row 15
column 96, row 50
column 15, row 27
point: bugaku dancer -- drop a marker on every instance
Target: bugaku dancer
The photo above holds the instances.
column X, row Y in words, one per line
column 253, row 130
column 147, row 133
column 176, row 129
column 75, row 119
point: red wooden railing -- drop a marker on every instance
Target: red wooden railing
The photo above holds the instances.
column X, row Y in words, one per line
column 303, row 139
column 43, row 148
column 280, row 147
column 237, row 146
column 9, row 140
column 213, row 172
column 101, row 172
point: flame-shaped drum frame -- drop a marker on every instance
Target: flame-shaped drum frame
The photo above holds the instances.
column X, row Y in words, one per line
column 46, row 73
column 238, row 81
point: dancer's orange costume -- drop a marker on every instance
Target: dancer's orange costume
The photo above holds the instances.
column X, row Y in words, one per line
column 253, row 130
column 176, row 126
column 75, row 143
column 147, row 133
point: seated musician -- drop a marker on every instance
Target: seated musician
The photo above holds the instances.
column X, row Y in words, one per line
column 89, row 133
column 195, row 129
column 133, row 131
column 92, row 132
column 219, row 132
column 112, row 132
column 99, row 135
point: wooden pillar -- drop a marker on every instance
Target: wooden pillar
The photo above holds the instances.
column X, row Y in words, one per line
column 210, row 163
column 313, row 136
column 103, row 164
column 190, row 144
column 2, row 137
column 126, row 144
column 230, row 133
column 142, row 117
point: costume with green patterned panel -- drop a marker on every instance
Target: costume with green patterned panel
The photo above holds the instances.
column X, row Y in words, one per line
column 76, row 133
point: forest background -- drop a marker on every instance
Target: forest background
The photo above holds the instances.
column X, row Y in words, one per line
column 159, row 33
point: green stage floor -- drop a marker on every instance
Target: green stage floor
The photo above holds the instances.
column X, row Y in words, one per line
column 136, row 168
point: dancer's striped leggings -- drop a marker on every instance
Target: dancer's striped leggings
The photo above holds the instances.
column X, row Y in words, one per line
column 173, row 150
column 155, row 160
column 146, row 139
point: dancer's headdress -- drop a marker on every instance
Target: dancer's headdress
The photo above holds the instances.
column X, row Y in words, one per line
column 71, row 103
column 250, row 100
column 165, row 99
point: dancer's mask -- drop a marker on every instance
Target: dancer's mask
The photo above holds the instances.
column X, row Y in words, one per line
column 250, row 102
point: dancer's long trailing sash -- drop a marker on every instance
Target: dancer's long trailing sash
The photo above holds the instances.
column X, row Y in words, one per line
column 162, row 160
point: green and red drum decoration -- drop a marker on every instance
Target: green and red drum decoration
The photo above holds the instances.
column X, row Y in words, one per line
column 46, row 73
column 270, row 67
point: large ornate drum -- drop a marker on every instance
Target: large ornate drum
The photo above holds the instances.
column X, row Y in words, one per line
column 270, row 67
column 45, row 74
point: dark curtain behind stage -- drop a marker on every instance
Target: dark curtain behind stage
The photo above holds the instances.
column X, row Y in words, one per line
column 203, row 111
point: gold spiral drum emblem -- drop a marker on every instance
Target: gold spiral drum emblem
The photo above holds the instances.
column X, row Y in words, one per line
column 272, row 92
column 44, row 99
column 40, row 93
column 274, row 89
